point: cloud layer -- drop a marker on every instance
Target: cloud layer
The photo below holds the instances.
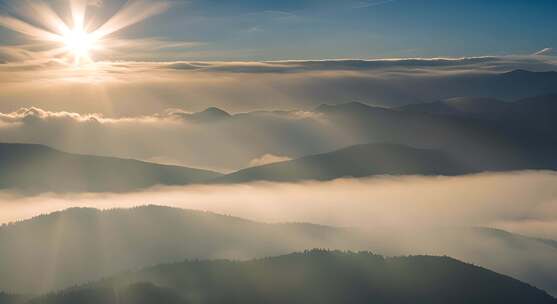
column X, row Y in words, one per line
column 176, row 137
column 143, row 109
column 142, row 88
column 402, row 215
column 521, row 202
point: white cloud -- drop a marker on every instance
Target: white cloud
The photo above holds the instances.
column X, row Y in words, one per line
column 268, row 159
column 109, row 108
column 511, row 201
column 220, row 145
column 546, row 51
column 401, row 215
column 117, row 88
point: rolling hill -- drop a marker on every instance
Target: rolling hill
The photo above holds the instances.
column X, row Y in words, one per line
column 310, row 277
column 536, row 114
column 476, row 144
column 482, row 134
column 89, row 244
column 36, row 168
column 486, row 108
column 355, row 161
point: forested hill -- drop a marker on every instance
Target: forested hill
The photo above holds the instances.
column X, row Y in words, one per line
column 311, row 277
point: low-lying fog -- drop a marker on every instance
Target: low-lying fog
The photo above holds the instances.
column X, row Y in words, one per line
column 520, row 202
column 399, row 215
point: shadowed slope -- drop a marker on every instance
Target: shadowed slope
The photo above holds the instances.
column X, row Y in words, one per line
column 536, row 114
column 78, row 245
column 12, row 299
column 312, row 277
column 35, row 168
column 477, row 145
column 355, row 161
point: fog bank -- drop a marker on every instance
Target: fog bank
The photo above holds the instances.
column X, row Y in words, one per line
column 399, row 215
column 520, row 202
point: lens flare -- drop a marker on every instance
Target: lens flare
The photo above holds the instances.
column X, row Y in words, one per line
column 80, row 44
column 76, row 43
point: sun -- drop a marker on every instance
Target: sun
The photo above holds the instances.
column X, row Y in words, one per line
column 78, row 36
column 79, row 43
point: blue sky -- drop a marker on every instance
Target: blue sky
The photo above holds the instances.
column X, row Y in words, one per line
column 312, row 29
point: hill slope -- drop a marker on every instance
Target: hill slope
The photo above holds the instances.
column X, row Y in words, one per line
column 476, row 144
column 355, row 161
column 36, row 168
column 312, row 277
column 58, row 250
column 79, row 245
column 536, row 113
column 488, row 108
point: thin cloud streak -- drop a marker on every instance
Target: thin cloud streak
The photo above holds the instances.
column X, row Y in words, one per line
column 546, row 51
column 248, row 86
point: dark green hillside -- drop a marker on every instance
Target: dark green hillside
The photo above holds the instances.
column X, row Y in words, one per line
column 79, row 245
column 311, row 277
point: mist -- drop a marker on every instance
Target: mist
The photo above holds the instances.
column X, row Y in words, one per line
column 388, row 215
column 115, row 88
column 519, row 202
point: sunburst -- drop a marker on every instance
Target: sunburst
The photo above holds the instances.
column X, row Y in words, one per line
column 73, row 41
column 80, row 44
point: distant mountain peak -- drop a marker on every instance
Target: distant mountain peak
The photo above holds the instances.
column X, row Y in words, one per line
column 471, row 100
column 211, row 114
column 215, row 111
column 523, row 72
column 460, row 106
column 520, row 71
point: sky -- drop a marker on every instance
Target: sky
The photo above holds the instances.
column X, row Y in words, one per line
column 327, row 29
column 123, row 78
column 116, row 77
column 399, row 215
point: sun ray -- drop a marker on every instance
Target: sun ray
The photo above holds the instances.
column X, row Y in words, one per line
column 130, row 14
column 49, row 18
column 25, row 28
column 76, row 41
column 78, row 9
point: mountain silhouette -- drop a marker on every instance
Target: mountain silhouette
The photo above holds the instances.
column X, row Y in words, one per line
column 512, row 85
column 535, row 113
column 75, row 246
column 453, row 137
column 36, row 168
column 476, row 144
column 315, row 276
column 79, row 245
column 13, row 299
column 210, row 115
column 355, row 161
column 466, row 106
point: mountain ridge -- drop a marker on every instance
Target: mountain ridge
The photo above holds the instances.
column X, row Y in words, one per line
column 358, row 278
column 353, row 161
column 98, row 243
column 37, row 168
